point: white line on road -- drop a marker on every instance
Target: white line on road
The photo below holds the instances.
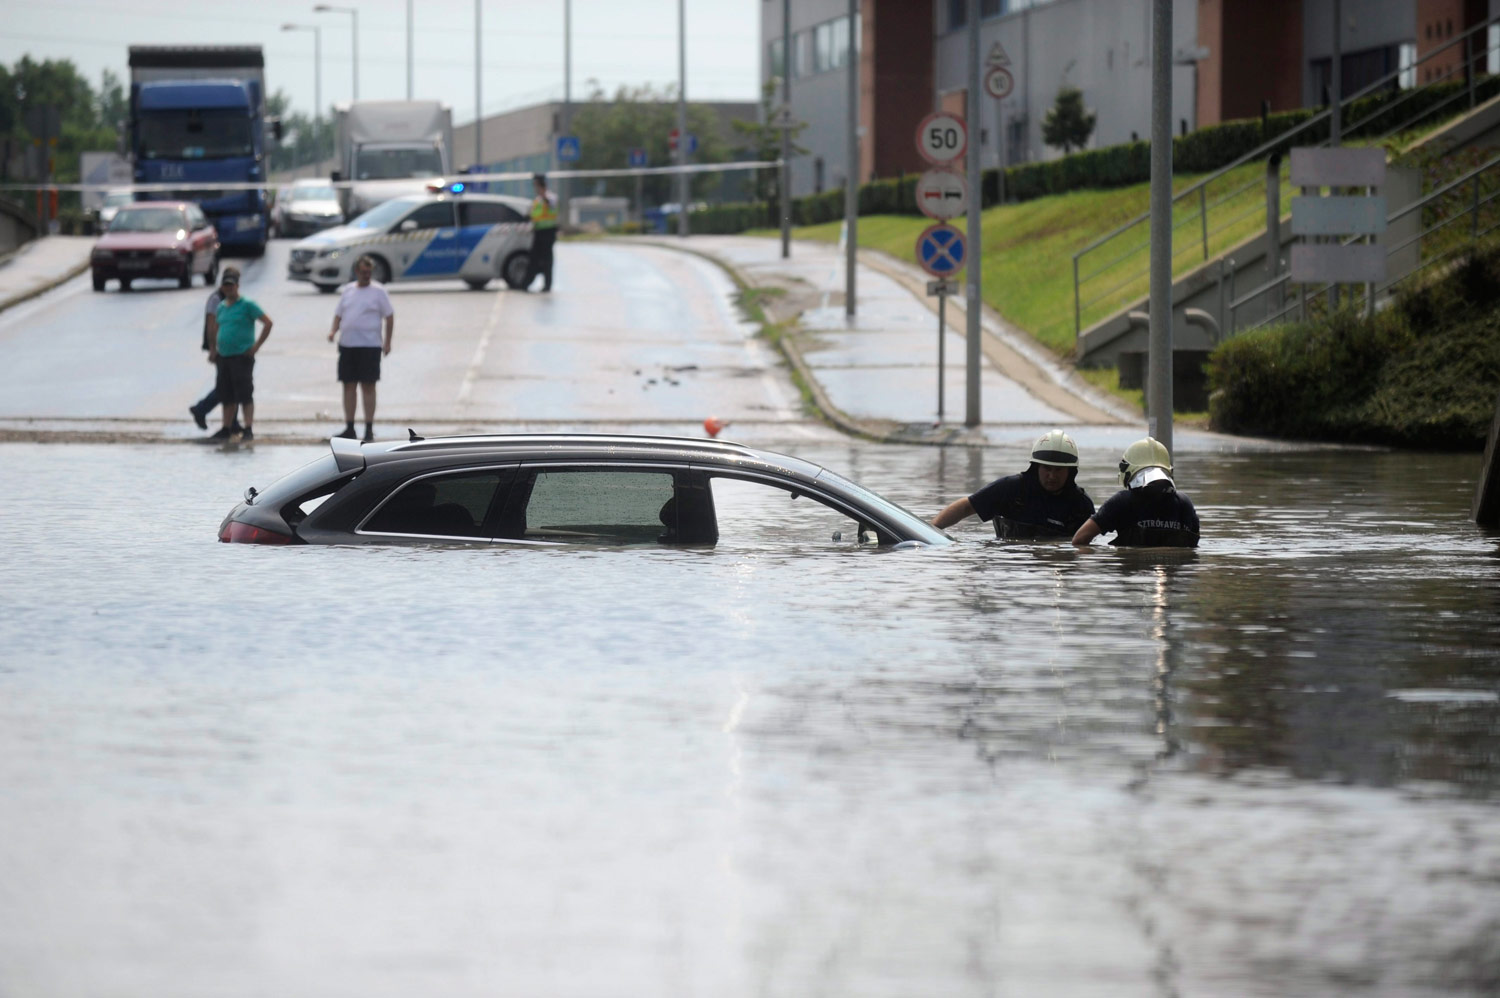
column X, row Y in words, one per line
column 490, row 326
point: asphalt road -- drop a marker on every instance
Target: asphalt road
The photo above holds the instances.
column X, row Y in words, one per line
column 629, row 335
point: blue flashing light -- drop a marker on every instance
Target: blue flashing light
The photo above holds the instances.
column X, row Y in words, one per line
column 457, row 188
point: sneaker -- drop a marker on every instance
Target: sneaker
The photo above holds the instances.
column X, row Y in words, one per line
column 369, row 436
column 199, row 417
column 224, row 433
column 247, row 435
column 348, row 433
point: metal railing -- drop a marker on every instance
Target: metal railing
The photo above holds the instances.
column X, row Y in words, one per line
column 1103, row 288
column 1468, row 191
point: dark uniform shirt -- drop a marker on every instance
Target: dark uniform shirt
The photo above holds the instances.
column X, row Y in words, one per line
column 1154, row 516
column 1023, row 510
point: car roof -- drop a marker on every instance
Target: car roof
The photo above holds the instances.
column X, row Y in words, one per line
column 353, row 455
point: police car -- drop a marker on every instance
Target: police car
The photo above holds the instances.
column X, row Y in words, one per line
column 424, row 237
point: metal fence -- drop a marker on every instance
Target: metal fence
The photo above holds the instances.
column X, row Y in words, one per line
column 1225, row 207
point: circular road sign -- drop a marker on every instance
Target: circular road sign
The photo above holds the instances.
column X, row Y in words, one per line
column 942, row 194
column 940, row 250
column 942, row 137
column 998, row 82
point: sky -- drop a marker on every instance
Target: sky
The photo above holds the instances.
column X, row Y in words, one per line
column 617, row 42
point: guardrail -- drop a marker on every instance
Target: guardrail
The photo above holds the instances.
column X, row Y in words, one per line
column 1223, row 209
column 1472, row 193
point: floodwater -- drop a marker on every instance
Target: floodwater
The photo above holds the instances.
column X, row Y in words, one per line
column 1271, row 767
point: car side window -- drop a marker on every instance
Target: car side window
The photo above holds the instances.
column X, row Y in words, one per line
column 438, row 506
column 596, row 506
column 753, row 512
column 486, row 213
column 437, row 215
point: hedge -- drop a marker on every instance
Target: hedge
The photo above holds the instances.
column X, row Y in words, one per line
column 1203, row 151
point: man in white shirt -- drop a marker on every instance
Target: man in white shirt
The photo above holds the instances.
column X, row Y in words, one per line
column 363, row 308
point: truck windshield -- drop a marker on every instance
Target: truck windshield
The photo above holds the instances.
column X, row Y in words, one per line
column 397, row 164
column 195, row 135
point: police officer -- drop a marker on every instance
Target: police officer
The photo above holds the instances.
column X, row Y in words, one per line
column 543, row 233
column 1044, row 501
column 1148, row 511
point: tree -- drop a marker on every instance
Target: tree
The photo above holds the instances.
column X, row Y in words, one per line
column 763, row 142
column 1068, row 124
column 642, row 118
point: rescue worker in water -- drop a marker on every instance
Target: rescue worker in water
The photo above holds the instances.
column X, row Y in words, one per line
column 1148, row 511
column 1044, row 501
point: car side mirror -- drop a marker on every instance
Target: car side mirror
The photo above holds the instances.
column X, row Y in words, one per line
column 410, row 225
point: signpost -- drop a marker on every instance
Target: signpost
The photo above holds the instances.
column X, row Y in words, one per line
column 692, row 142
column 1336, row 216
column 942, row 194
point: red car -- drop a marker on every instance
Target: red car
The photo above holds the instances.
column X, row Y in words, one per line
column 171, row 239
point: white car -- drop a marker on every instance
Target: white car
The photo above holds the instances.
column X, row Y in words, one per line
column 113, row 202
column 308, row 206
column 424, row 237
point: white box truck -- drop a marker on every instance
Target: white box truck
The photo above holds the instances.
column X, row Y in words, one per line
column 387, row 148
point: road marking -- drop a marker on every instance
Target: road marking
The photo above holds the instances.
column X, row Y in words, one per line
column 490, row 326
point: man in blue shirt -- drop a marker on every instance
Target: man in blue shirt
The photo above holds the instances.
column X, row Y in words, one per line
column 234, row 352
column 1148, row 511
column 1044, row 501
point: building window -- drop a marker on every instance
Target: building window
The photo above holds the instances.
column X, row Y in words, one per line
column 801, row 55
column 823, row 48
column 1492, row 53
column 838, row 55
column 1406, row 59
column 958, row 14
column 776, row 56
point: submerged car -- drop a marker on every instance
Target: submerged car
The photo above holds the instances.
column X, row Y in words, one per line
column 444, row 235
column 171, row 239
column 550, row 489
column 308, row 206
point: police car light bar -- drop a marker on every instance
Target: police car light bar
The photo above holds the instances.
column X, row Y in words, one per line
column 444, row 187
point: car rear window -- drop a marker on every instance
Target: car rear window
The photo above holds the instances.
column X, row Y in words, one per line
column 438, row 506
column 607, row 506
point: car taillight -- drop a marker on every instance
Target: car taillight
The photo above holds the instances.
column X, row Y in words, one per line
column 235, row 532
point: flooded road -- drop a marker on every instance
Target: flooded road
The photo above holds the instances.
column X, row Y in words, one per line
column 1271, row 767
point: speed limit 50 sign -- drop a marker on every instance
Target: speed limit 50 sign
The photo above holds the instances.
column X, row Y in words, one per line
column 942, row 137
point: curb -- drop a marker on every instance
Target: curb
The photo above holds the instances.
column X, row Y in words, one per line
column 42, row 288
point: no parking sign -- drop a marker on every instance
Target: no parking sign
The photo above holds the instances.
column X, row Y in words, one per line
column 940, row 250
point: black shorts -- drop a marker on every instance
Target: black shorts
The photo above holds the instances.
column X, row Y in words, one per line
column 236, row 382
column 359, row 364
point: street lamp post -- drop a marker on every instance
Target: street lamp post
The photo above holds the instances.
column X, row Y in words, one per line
column 317, row 84
column 353, row 12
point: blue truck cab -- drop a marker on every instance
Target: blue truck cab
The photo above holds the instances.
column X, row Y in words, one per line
column 198, row 116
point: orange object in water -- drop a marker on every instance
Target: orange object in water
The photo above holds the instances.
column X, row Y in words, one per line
column 712, row 425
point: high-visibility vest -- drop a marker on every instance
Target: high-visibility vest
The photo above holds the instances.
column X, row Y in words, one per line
column 543, row 212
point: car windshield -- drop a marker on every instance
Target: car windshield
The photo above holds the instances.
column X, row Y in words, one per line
column 195, row 135
column 385, row 215
column 148, row 220
column 397, row 164
column 312, row 194
column 116, row 198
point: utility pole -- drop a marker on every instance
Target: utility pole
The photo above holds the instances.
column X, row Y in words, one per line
column 786, row 129
column 682, row 132
column 1159, row 379
column 478, row 98
column 562, row 186
column 851, row 184
column 972, row 255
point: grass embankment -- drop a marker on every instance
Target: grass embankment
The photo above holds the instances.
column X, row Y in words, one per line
column 1423, row 373
column 1029, row 247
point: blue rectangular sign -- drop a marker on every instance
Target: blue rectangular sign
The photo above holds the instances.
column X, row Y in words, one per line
column 567, row 149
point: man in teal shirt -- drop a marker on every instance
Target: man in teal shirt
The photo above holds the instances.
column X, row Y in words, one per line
column 234, row 353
